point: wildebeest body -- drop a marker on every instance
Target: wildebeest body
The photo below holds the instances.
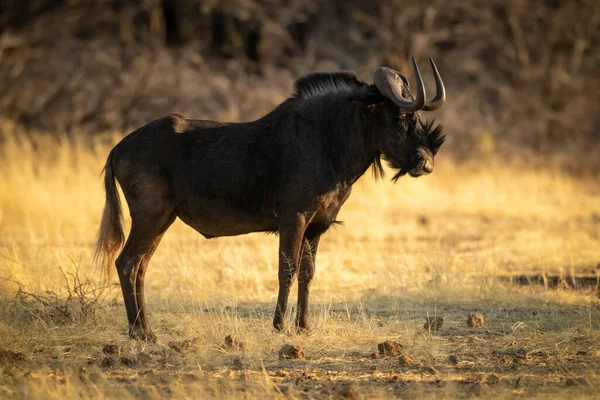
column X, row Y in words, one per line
column 288, row 172
column 229, row 179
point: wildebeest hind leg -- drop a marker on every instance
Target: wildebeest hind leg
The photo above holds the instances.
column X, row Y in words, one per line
column 146, row 231
column 139, row 282
column 307, row 271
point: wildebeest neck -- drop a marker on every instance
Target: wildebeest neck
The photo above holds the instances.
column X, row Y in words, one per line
column 338, row 133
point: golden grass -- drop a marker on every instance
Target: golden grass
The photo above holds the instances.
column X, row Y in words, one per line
column 430, row 245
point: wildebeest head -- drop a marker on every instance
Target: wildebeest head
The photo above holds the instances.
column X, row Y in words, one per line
column 407, row 143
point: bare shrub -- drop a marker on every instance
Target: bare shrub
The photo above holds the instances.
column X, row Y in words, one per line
column 78, row 303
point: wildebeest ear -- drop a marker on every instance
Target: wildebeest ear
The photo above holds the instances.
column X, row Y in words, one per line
column 369, row 99
column 435, row 134
column 363, row 101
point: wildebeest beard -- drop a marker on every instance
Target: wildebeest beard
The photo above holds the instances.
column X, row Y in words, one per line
column 401, row 172
column 427, row 134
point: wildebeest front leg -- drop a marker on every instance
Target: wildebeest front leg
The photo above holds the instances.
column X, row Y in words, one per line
column 307, row 271
column 291, row 232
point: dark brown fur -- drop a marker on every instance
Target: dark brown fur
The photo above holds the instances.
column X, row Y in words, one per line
column 288, row 172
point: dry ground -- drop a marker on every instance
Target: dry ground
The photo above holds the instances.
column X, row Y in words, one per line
column 437, row 245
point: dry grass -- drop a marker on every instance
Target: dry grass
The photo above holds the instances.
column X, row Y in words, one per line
column 434, row 245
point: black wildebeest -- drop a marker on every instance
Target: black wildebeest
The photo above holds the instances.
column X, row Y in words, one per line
column 288, row 172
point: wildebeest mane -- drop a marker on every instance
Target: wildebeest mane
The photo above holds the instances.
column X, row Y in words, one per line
column 320, row 84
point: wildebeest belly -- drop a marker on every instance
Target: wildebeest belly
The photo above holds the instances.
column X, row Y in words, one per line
column 214, row 217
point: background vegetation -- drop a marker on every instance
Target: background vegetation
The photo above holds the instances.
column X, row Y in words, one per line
column 520, row 74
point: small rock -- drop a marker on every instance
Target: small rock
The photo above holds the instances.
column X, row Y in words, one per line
column 143, row 358
column 453, row 359
column 82, row 371
column 570, row 382
column 290, row 351
column 424, row 220
column 232, row 343
column 128, row 361
column 189, row 378
column 389, row 348
column 108, row 362
column 431, row 370
column 522, row 353
column 239, row 362
column 405, row 360
column 492, row 379
column 179, row 347
column 433, row 323
column 475, row 390
column 284, row 389
column 348, row 392
column 475, row 320
column 8, row 357
column 302, row 378
column 111, row 349
column 517, row 361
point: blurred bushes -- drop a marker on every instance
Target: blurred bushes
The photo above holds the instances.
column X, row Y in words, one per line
column 523, row 72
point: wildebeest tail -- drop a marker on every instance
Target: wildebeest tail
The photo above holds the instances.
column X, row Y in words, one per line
column 110, row 235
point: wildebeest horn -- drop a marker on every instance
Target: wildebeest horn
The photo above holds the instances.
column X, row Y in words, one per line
column 390, row 82
column 440, row 90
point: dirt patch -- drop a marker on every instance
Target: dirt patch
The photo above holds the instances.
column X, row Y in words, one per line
column 517, row 354
column 461, row 363
column 555, row 281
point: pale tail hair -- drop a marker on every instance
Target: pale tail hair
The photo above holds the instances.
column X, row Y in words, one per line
column 110, row 236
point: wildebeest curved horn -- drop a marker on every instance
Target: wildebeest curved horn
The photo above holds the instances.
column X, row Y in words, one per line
column 390, row 82
column 440, row 90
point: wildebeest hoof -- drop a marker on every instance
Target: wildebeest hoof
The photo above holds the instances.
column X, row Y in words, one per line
column 141, row 334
